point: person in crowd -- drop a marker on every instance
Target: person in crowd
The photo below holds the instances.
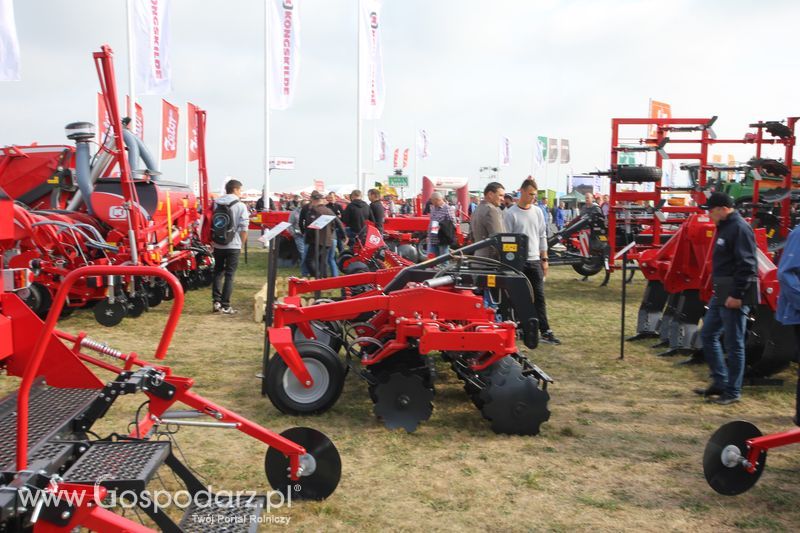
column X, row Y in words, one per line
column 260, row 204
column 487, row 218
column 527, row 219
column 605, row 205
column 338, row 242
column 440, row 211
column 377, row 209
column 589, row 205
column 299, row 239
column 561, row 215
column 426, row 210
column 226, row 255
column 355, row 216
column 735, row 282
column 407, row 208
column 318, row 264
column 294, row 203
column 473, row 204
column 788, row 312
column 508, row 201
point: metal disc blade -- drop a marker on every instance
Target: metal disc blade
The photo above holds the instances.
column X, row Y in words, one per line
column 136, row 306
column 155, row 295
column 731, row 479
column 403, row 401
column 109, row 314
column 513, row 402
column 327, row 469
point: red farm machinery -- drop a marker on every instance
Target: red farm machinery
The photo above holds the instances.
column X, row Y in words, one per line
column 58, row 474
column 77, row 209
column 470, row 310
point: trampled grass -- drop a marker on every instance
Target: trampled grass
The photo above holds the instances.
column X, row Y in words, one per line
column 622, row 450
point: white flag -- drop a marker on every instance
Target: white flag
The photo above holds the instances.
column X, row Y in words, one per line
column 284, row 51
column 538, row 152
column 9, row 45
column 423, row 150
column 380, row 145
column 505, row 151
column 371, row 60
column 151, row 32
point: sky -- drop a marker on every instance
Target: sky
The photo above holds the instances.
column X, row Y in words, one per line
column 467, row 71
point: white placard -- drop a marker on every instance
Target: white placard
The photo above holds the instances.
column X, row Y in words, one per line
column 321, row 222
column 274, row 232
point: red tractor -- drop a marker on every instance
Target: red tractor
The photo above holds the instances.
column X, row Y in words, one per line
column 59, row 474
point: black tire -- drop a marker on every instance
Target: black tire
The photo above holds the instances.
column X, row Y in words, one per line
column 286, row 393
column 344, row 256
column 590, row 266
column 328, row 333
column 637, row 174
column 39, row 299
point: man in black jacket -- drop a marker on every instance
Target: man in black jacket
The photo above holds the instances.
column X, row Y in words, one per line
column 355, row 216
column 376, row 206
column 735, row 279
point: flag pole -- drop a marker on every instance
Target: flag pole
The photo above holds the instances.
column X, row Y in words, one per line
column 188, row 142
column 416, row 162
column 131, row 59
column 160, row 140
column 359, row 178
column 266, row 192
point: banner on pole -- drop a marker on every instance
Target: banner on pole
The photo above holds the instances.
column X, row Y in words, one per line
column 191, row 141
column 396, row 158
column 552, row 150
column 539, row 150
column 371, row 59
column 423, row 150
column 405, row 158
column 138, row 124
column 284, row 48
column 658, row 110
column 380, row 145
column 542, row 142
column 151, row 33
column 9, row 44
column 103, row 121
column 319, row 185
column 169, row 130
column 504, row 150
column 565, row 150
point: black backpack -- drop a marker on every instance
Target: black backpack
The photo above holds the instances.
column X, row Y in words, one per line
column 447, row 232
column 223, row 226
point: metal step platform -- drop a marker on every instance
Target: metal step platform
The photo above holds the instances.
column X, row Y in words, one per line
column 224, row 515
column 119, row 465
column 50, row 415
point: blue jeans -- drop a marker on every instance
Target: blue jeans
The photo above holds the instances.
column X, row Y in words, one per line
column 302, row 249
column 438, row 249
column 332, row 270
column 731, row 325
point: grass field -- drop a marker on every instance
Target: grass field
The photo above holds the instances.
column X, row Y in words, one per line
column 622, row 449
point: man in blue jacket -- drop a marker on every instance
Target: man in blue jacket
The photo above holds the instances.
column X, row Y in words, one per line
column 735, row 278
column 788, row 312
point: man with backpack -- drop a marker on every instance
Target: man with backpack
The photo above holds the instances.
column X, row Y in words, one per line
column 229, row 222
column 442, row 226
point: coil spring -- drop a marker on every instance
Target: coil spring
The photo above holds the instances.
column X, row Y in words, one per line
column 102, row 348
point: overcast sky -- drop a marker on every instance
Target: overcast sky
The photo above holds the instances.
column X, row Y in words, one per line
column 468, row 71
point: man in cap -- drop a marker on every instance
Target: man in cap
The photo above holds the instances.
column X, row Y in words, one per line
column 735, row 279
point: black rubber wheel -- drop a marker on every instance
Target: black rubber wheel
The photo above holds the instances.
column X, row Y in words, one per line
column 637, row 174
column 328, row 333
column 407, row 251
column 723, row 473
column 322, row 466
column 590, row 266
column 289, row 396
column 39, row 299
column 344, row 257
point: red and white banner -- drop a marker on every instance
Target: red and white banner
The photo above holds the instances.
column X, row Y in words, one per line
column 169, row 130
column 191, row 128
column 138, row 125
column 319, row 185
column 284, row 48
column 9, row 44
column 658, row 110
column 504, row 151
column 371, row 60
column 396, row 158
column 405, row 158
column 423, row 150
column 151, row 32
column 103, row 121
column 379, row 146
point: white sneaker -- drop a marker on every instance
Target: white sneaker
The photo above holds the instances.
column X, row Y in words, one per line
column 217, row 307
column 228, row 311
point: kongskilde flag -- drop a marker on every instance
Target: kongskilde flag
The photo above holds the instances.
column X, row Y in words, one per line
column 552, row 150
column 423, row 150
column 380, row 145
column 169, row 130
column 565, row 150
column 191, row 141
column 151, row 32
column 284, row 47
column 396, row 158
column 504, row 150
column 405, row 158
column 9, row 44
column 371, row 58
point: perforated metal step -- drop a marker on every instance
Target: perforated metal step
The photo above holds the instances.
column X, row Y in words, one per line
column 125, row 465
column 224, row 515
column 50, row 412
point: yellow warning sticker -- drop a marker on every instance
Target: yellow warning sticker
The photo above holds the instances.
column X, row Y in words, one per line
column 491, row 279
column 509, row 248
column 710, row 233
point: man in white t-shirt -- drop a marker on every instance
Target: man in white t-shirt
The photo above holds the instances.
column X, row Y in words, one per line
column 526, row 218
